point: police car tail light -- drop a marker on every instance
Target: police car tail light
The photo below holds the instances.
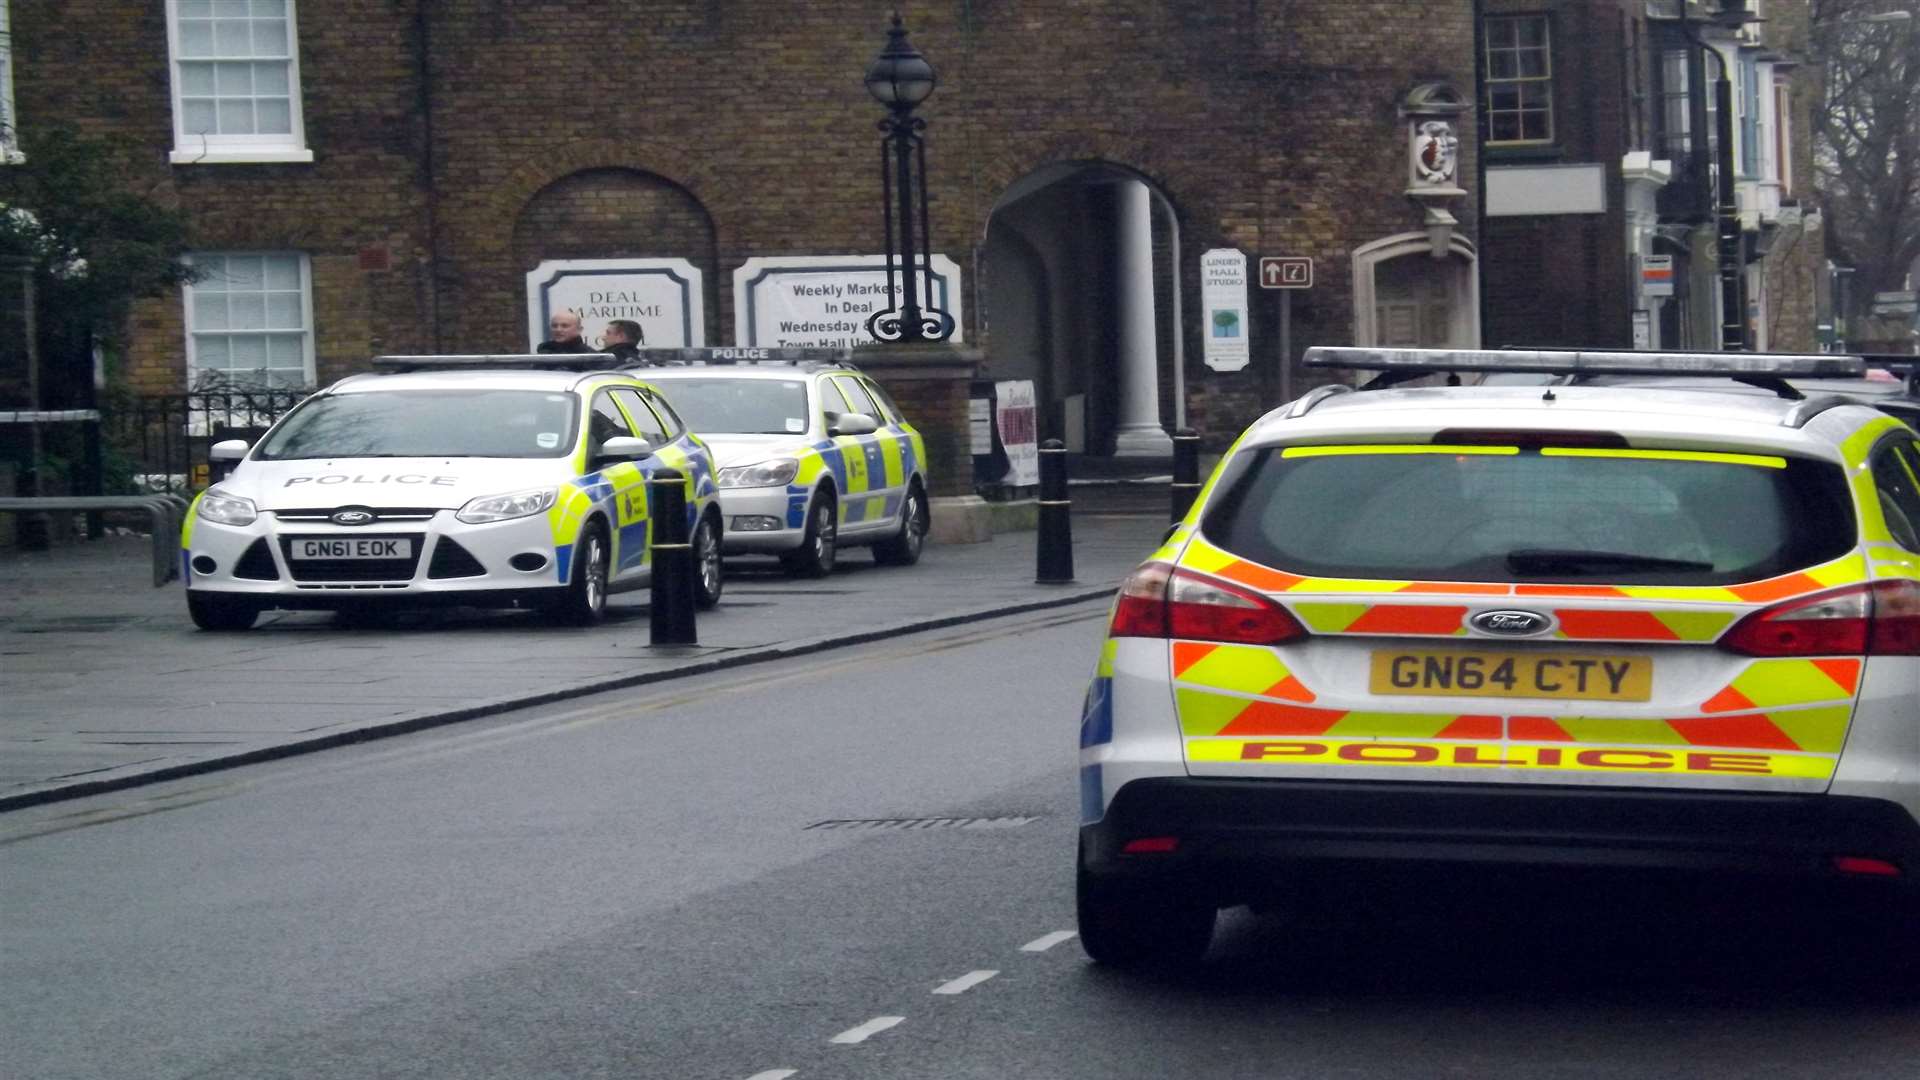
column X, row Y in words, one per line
column 1880, row 619
column 1158, row 601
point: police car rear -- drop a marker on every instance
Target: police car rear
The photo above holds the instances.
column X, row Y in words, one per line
column 1625, row 627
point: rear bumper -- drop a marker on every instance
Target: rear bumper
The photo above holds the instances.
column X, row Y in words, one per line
column 1241, row 830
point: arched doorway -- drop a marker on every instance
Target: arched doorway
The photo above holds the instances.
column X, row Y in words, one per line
column 1080, row 296
column 618, row 215
column 1404, row 295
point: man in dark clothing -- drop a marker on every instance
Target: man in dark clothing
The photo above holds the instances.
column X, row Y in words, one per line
column 565, row 328
column 623, row 339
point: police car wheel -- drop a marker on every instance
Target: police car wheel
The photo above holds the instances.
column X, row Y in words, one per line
column 709, row 574
column 903, row 547
column 815, row 556
column 211, row 611
column 1141, row 924
column 584, row 600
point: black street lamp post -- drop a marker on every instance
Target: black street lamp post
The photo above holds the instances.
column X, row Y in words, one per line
column 1730, row 249
column 900, row 78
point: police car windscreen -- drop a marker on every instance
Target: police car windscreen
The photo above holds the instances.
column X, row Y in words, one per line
column 1508, row 513
column 739, row 406
column 428, row 423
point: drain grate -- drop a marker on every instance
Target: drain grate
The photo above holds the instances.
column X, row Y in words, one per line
column 900, row 823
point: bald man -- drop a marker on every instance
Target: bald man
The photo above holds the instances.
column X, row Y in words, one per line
column 565, row 328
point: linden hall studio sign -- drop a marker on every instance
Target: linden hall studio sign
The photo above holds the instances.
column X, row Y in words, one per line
column 665, row 296
column 824, row 301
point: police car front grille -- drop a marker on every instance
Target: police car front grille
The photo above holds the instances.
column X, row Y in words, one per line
column 450, row 560
column 380, row 513
column 256, row 563
column 353, row 569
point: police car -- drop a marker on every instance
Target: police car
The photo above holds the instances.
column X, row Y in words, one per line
column 813, row 457
column 464, row 480
column 1515, row 626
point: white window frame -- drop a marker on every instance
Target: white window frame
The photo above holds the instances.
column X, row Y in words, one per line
column 1544, row 80
column 9, row 118
column 196, row 148
column 309, row 332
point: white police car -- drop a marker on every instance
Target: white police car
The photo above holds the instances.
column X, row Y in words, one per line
column 813, row 457
column 504, row 481
column 1634, row 628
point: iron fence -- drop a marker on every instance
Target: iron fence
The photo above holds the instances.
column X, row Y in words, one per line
column 159, row 442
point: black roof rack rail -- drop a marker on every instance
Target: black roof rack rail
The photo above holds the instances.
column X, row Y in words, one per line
column 396, row 365
column 1305, row 403
column 807, row 358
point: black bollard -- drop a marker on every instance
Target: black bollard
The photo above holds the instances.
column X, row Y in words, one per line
column 673, row 587
column 1186, row 471
column 1054, row 561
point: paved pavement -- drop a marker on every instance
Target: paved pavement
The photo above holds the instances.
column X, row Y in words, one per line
column 106, row 684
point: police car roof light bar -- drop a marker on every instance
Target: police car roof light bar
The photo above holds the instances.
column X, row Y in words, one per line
column 1587, row 362
column 808, row 358
column 396, row 365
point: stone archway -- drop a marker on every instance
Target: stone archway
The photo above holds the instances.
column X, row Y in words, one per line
column 1080, row 294
column 1405, row 296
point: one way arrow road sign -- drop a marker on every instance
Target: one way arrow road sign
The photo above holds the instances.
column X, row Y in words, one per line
column 1286, row 272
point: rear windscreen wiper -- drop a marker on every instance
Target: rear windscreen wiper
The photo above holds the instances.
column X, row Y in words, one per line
column 1574, row 560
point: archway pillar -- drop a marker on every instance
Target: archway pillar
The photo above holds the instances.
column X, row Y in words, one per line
column 1139, row 433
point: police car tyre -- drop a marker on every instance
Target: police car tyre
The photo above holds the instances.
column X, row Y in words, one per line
column 903, row 547
column 584, row 601
column 211, row 611
column 709, row 573
column 1141, row 924
column 815, row 556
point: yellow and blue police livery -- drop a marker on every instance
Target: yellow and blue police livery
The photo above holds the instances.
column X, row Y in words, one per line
column 812, row 458
column 473, row 484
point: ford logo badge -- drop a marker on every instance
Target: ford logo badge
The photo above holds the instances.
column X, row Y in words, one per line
column 350, row 517
column 1511, row 623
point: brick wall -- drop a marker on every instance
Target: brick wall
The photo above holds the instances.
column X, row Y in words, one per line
column 721, row 131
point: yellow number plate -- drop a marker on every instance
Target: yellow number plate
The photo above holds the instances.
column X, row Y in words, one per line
column 1485, row 673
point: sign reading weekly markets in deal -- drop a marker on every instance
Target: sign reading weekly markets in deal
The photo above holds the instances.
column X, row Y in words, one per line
column 665, row 296
column 824, row 301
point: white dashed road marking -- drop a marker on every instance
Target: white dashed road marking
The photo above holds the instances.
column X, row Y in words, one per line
column 773, row 1074
column 867, row 1030
column 1048, row 942
column 965, row 982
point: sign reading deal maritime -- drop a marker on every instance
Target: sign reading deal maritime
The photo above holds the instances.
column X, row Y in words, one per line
column 824, row 301
column 664, row 296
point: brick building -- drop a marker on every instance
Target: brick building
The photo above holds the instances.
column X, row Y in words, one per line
column 380, row 176
column 1599, row 226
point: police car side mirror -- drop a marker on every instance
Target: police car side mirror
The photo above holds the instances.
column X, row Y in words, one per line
column 228, row 450
column 624, row 448
column 854, row 423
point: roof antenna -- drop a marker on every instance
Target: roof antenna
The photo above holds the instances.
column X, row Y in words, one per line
column 1548, row 396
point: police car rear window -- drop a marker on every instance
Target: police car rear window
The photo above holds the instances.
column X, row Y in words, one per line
column 1508, row 513
column 428, row 423
column 739, row 406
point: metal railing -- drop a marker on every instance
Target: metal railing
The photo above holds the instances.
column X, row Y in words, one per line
column 163, row 439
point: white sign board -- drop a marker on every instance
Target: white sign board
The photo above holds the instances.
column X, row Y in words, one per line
column 824, row 301
column 980, row 426
column 665, row 296
column 1223, row 303
column 1656, row 275
column 1019, row 424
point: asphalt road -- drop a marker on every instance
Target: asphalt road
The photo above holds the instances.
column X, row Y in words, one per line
column 639, row 885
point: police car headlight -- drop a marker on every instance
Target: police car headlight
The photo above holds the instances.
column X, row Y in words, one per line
column 519, row 504
column 227, row 509
column 773, row 473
